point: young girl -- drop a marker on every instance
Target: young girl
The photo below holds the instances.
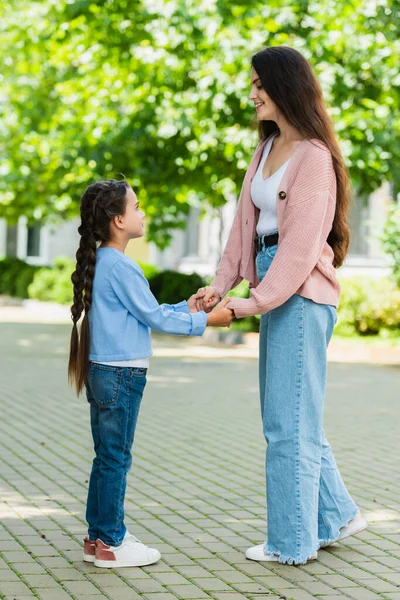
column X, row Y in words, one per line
column 110, row 358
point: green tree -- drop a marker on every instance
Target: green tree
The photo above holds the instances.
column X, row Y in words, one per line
column 157, row 90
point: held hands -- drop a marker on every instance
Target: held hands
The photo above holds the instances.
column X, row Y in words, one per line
column 207, row 298
column 221, row 315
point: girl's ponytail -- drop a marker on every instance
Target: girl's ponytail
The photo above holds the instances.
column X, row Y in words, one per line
column 99, row 204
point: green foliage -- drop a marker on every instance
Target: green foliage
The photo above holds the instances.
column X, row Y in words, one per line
column 53, row 284
column 149, row 271
column 15, row 277
column 247, row 323
column 172, row 287
column 391, row 240
column 158, row 90
column 368, row 306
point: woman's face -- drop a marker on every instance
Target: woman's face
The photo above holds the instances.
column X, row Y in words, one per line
column 266, row 110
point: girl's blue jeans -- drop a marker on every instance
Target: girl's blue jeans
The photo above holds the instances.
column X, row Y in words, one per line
column 114, row 394
column 307, row 501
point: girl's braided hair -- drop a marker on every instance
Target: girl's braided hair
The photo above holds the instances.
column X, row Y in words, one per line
column 100, row 203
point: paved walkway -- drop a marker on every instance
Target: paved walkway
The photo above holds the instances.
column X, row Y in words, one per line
column 196, row 490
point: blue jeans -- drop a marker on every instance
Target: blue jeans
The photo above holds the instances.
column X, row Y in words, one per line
column 114, row 394
column 307, row 501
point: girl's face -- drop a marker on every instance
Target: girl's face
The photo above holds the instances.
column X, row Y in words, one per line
column 266, row 109
column 132, row 221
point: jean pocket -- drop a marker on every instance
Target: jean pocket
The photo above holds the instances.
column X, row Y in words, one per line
column 105, row 383
column 271, row 251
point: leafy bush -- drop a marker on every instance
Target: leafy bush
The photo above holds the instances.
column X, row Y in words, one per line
column 368, row 306
column 149, row 270
column 53, row 284
column 246, row 324
column 15, row 277
column 172, row 287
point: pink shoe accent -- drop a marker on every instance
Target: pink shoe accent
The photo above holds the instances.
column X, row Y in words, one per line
column 89, row 550
column 103, row 552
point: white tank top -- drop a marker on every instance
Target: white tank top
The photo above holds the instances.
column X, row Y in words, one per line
column 263, row 194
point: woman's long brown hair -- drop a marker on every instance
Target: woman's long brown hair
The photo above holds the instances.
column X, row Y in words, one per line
column 101, row 202
column 289, row 81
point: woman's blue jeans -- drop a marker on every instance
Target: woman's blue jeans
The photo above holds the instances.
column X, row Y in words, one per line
column 307, row 502
column 114, row 394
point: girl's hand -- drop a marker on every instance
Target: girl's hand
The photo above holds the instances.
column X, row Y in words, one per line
column 221, row 316
column 194, row 300
column 208, row 299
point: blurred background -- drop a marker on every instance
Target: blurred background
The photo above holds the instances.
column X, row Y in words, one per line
column 157, row 91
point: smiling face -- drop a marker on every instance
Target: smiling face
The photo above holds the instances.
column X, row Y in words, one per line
column 266, row 109
column 131, row 223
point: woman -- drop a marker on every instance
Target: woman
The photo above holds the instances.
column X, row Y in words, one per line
column 288, row 236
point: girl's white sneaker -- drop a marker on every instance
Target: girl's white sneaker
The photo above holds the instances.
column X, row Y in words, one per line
column 356, row 525
column 131, row 553
column 258, row 553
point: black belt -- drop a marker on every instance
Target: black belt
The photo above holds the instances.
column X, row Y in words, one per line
column 265, row 241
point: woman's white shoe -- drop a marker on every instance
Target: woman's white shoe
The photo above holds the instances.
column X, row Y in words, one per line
column 356, row 525
column 258, row 553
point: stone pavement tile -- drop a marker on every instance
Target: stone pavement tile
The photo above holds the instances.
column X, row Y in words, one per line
column 193, row 571
column 55, row 561
column 316, row 587
column 296, row 594
column 233, row 577
column 229, row 596
column 394, row 596
column 68, row 575
column 28, row 568
column 171, row 578
column 121, row 593
column 106, row 580
column 81, row 587
column 9, row 545
column 128, row 573
column 188, row 592
column 374, row 567
column 357, row 574
column 40, row 581
column 392, row 577
column 8, row 575
column 147, row 586
column 250, row 588
column 315, row 568
column 162, row 596
column 20, row 556
column 14, row 588
column 378, row 585
column 212, row 584
column 53, row 594
column 291, row 574
column 254, row 568
column 360, row 593
column 336, row 581
column 215, row 564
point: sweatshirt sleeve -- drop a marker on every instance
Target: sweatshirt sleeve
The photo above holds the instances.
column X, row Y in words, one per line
column 133, row 290
column 180, row 307
column 307, row 222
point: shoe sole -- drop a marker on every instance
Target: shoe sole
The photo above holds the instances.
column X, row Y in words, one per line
column 89, row 558
column 116, row 564
column 344, row 537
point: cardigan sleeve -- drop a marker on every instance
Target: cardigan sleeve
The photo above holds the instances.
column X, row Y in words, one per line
column 306, row 225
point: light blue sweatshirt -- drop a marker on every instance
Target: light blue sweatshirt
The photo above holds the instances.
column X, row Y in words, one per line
column 124, row 311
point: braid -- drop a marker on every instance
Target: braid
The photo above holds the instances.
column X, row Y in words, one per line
column 100, row 202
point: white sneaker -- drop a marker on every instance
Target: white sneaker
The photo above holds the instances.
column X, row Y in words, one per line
column 131, row 553
column 356, row 525
column 258, row 553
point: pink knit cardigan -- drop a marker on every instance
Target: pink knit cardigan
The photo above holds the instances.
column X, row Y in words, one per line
column 306, row 201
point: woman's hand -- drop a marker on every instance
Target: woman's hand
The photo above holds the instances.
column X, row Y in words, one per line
column 208, row 298
column 193, row 300
column 221, row 316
